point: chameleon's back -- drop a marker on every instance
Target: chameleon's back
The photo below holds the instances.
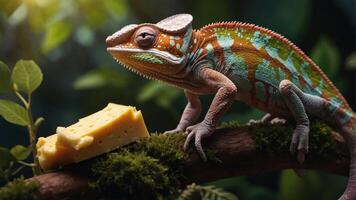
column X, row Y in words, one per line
column 266, row 58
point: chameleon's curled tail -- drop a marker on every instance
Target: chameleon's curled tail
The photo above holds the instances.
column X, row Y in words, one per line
column 349, row 133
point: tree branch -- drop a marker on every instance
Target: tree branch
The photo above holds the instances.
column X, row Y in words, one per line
column 237, row 152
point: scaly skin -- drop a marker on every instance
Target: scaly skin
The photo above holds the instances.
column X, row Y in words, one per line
column 236, row 61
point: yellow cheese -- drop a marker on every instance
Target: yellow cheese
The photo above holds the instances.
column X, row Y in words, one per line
column 50, row 155
column 101, row 132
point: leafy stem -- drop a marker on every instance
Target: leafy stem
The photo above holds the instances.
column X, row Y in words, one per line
column 12, row 161
column 26, row 163
column 20, row 96
column 32, row 130
column 25, row 78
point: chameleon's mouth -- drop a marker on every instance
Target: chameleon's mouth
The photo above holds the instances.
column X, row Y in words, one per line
column 164, row 55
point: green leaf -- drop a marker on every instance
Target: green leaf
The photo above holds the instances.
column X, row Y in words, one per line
column 55, row 35
column 9, row 6
column 293, row 187
column 351, row 61
column 20, row 152
column 27, row 76
column 290, row 185
column 5, row 78
column 211, row 192
column 327, row 56
column 161, row 94
column 100, row 77
column 84, row 35
column 149, row 91
column 95, row 15
column 5, row 157
column 258, row 192
column 13, row 113
column 116, row 8
column 41, row 15
column 39, row 122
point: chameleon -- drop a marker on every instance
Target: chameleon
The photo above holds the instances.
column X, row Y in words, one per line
column 236, row 61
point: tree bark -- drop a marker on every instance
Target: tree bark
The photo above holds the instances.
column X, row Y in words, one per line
column 237, row 153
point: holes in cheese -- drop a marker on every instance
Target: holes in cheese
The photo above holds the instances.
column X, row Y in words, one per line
column 101, row 132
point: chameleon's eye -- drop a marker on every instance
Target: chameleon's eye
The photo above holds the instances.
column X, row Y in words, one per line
column 145, row 37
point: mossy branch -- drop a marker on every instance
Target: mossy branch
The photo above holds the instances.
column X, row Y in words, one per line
column 232, row 151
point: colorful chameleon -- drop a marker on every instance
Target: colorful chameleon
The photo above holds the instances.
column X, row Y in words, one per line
column 236, row 61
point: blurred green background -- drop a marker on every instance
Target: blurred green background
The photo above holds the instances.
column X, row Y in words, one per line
column 67, row 39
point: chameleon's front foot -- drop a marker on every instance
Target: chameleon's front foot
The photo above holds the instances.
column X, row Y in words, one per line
column 197, row 132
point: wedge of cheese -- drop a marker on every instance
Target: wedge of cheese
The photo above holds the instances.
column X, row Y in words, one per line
column 101, row 132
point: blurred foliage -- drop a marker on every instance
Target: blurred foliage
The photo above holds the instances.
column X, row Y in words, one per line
column 56, row 34
column 159, row 93
column 5, row 76
column 351, row 61
column 197, row 192
column 12, row 161
column 310, row 186
column 245, row 190
column 325, row 54
column 287, row 17
column 68, row 38
column 57, row 20
column 98, row 78
column 293, row 187
column 20, row 190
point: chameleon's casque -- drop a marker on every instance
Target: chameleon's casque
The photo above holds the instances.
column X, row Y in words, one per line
column 236, row 61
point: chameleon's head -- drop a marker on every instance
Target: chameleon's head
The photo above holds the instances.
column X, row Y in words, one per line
column 153, row 50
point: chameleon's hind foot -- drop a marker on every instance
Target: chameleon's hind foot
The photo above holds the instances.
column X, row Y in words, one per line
column 300, row 142
column 292, row 96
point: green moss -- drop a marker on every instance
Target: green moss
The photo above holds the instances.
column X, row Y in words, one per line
column 230, row 124
column 152, row 168
column 20, row 190
column 322, row 143
column 271, row 138
column 276, row 138
column 132, row 176
column 147, row 169
column 211, row 156
column 168, row 148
